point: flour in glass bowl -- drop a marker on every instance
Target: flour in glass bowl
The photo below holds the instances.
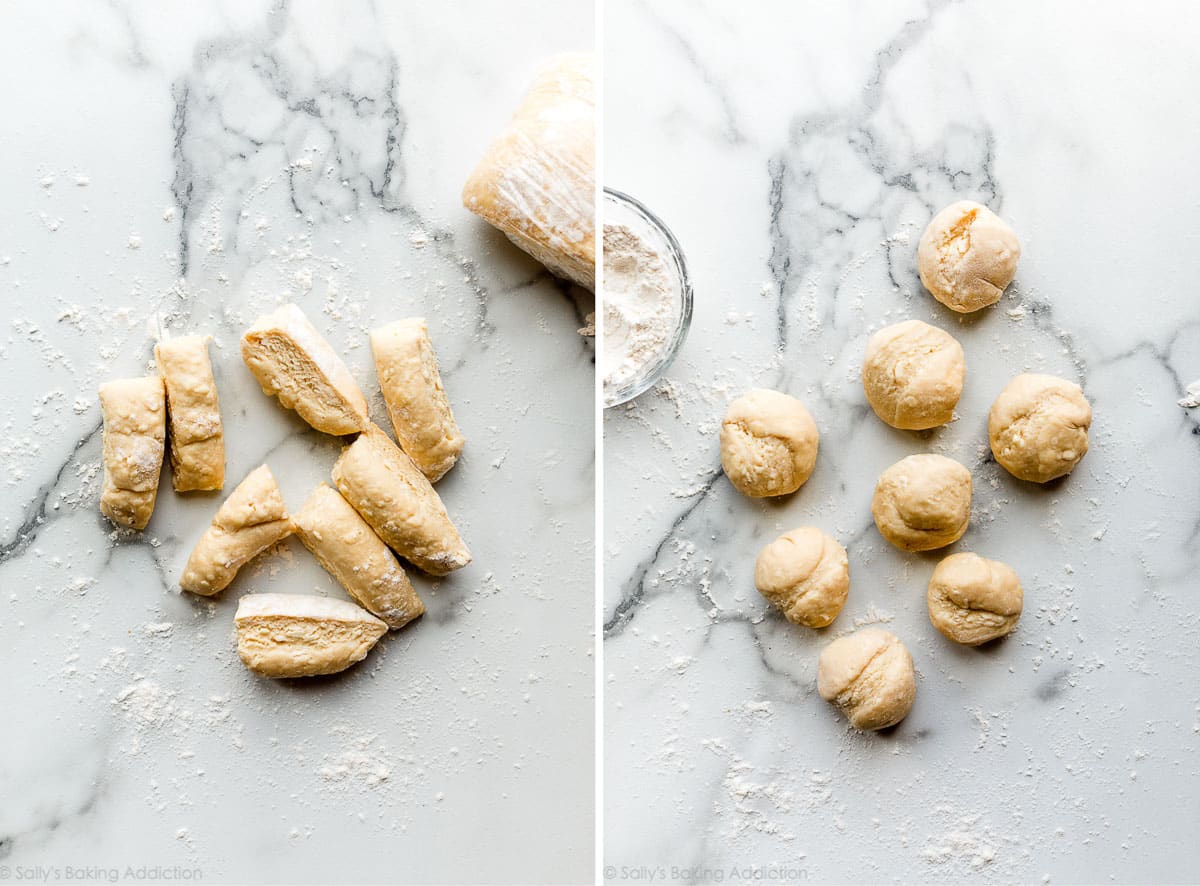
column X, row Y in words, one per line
column 643, row 298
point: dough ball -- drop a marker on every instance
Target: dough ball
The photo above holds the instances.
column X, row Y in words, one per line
column 806, row 574
column 768, row 443
column 973, row 600
column 967, row 256
column 923, row 502
column 913, row 375
column 869, row 675
column 1038, row 427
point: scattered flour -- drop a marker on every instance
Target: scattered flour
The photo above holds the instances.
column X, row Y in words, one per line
column 147, row 705
column 366, row 762
column 963, row 845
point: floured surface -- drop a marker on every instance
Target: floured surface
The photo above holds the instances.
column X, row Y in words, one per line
column 141, row 738
column 828, row 140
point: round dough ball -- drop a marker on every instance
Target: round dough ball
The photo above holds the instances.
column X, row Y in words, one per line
column 806, row 573
column 967, row 256
column 1038, row 427
column 923, row 502
column 973, row 600
column 768, row 443
column 913, row 375
column 869, row 675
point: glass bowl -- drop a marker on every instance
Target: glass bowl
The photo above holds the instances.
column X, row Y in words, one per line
column 618, row 206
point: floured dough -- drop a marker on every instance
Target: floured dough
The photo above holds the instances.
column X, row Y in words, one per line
column 972, row 600
column 967, row 256
column 913, row 375
column 869, row 676
column 352, row 553
column 923, row 502
column 805, row 573
column 293, row 362
column 135, row 430
column 416, row 401
column 298, row 635
column 251, row 520
column 1038, row 427
column 768, row 443
column 397, row 500
column 193, row 414
column 537, row 180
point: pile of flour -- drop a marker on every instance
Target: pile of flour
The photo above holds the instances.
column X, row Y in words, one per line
column 642, row 298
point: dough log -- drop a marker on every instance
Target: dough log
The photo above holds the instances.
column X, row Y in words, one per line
column 293, row 362
column 416, row 401
column 297, row 635
column 251, row 520
column 352, row 553
column 135, row 430
column 396, row 499
column 193, row 414
column 536, row 182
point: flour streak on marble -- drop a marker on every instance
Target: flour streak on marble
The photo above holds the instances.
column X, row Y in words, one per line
column 798, row 150
column 185, row 171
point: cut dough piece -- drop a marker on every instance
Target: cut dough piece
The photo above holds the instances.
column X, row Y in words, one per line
column 973, row 600
column 967, row 256
column 1038, row 427
column 193, row 414
column 135, row 431
column 352, row 553
column 923, row 502
column 251, row 520
column 412, row 388
column 768, row 444
column 869, row 676
column 298, row 635
column 536, row 183
column 293, row 362
column 913, row 375
column 806, row 573
column 393, row 496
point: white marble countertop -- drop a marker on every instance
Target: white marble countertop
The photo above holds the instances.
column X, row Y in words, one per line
column 187, row 169
column 798, row 150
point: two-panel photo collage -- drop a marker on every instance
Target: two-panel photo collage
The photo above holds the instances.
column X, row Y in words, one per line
column 611, row 442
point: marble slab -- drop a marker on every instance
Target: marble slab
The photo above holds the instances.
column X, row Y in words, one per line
column 183, row 169
column 798, row 150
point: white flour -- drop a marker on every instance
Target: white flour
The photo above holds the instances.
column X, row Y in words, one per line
column 642, row 300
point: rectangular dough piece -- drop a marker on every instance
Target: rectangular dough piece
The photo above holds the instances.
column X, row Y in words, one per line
column 351, row 552
column 193, row 414
column 416, row 401
column 298, row 635
column 293, row 362
column 251, row 520
column 396, row 499
column 537, row 180
column 135, row 430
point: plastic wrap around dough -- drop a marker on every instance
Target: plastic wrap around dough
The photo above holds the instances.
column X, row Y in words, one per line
column 536, row 182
